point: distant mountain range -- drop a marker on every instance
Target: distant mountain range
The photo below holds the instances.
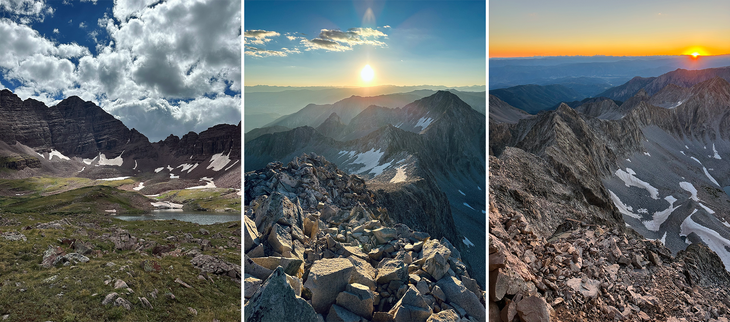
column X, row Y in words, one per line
column 264, row 104
column 78, row 138
column 535, row 98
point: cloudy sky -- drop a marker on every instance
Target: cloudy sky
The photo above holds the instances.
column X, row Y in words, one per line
column 162, row 67
column 613, row 28
column 327, row 43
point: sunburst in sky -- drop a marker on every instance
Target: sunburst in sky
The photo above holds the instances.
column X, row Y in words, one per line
column 327, row 43
column 611, row 28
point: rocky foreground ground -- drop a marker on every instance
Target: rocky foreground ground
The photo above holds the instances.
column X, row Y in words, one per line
column 94, row 268
column 318, row 249
column 588, row 272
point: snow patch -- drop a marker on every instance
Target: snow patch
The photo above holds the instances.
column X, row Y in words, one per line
column 41, row 155
column 628, row 160
column 647, row 154
column 116, row 161
column 682, row 152
column 630, row 171
column 480, row 188
column 172, row 176
column 57, row 154
column 209, row 184
column 424, row 122
column 642, row 211
column 693, row 158
column 466, row 204
column 400, row 175
column 710, row 237
column 622, row 208
column 135, row 165
column 185, row 166
column 630, row 180
column 709, row 211
column 716, row 156
column 169, row 168
column 219, row 161
column 89, row 161
column 462, row 193
column 379, row 169
column 689, row 187
column 468, row 242
column 710, row 177
column 114, row 179
column 82, row 169
column 661, row 216
column 159, row 169
column 138, row 188
column 226, row 169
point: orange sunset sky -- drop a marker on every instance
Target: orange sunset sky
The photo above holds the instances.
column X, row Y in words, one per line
column 524, row 28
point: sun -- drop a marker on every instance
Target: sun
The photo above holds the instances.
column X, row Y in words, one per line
column 367, row 74
column 695, row 54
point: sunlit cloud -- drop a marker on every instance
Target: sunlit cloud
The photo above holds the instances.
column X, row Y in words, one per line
column 258, row 37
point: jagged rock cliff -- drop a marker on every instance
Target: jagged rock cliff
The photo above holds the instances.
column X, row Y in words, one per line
column 326, row 235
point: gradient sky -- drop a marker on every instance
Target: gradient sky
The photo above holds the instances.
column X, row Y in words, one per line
column 162, row 67
column 313, row 43
column 525, row 28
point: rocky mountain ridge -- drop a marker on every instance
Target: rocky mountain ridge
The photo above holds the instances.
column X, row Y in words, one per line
column 78, row 138
column 578, row 173
column 321, row 243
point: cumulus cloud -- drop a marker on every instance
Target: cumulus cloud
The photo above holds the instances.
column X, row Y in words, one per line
column 337, row 40
column 26, row 11
column 55, row 30
column 258, row 37
column 258, row 52
column 165, row 68
column 318, row 43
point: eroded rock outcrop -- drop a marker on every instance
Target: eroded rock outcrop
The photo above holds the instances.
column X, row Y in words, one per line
column 354, row 261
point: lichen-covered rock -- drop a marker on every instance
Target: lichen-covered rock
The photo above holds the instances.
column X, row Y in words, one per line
column 275, row 301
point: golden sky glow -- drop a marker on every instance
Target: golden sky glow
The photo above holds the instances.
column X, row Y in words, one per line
column 617, row 28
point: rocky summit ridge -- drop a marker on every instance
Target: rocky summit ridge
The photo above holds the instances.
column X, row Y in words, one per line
column 319, row 248
column 579, row 224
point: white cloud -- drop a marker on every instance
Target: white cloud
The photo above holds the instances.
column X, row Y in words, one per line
column 337, row 40
column 55, row 30
column 258, row 52
column 258, row 37
column 82, row 25
column 26, row 11
column 164, row 69
column 92, row 1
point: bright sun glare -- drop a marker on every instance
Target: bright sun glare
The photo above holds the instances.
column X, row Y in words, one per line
column 367, row 73
column 695, row 54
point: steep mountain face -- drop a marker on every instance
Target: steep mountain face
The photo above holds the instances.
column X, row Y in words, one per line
column 332, row 126
column 501, row 112
column 78, row 138
column 535, row 98
column 429, row 153
column 636, row 170
column 72, row 127
column 628, row 89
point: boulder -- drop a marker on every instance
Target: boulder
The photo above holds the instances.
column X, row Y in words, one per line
column 358, row 299
column 384, row 234
column 340, row 314
column 109, row 298
column 435, row 259
column 444, row 316
column 588, row 287
column 391, row 269
column 457, row 293
column 210, row 264
column 250, row 285
column 250, row 234
column 363, row 274
column 123, row 303
column 326, row 279
column 280, row 240
column 533, row 309
column 275, row 301
column 50, row 256
column 411, row 307
column 291, row 266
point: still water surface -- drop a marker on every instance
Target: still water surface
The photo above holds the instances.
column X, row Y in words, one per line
column 199, row 217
